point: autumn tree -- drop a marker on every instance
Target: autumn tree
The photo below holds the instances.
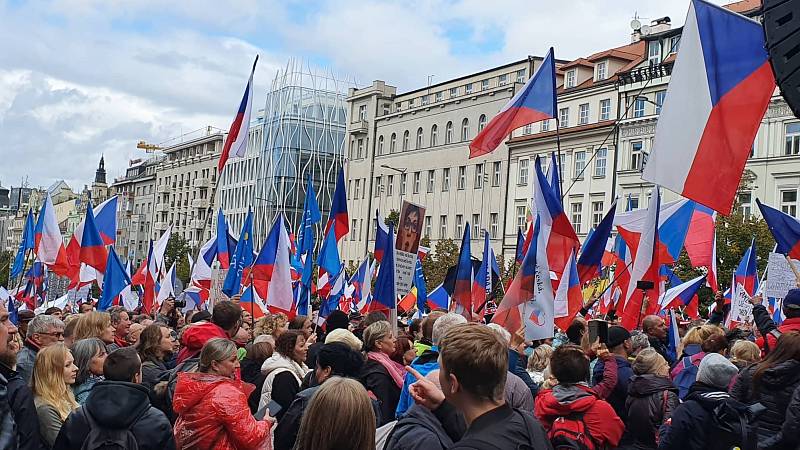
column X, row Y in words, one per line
column 176, row 251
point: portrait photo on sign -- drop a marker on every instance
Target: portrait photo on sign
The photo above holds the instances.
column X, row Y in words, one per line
column 409, row 228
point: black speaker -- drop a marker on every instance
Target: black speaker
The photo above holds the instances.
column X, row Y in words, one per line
column 782, row 31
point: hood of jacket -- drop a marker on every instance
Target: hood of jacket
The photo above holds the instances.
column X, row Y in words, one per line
column 278, row 361
column 565, row 399
column 644, row 385
column 117, row 404
column 708, row 396
column 781, row 375
column 418, row 418
column 193, row 387
column 196, row 336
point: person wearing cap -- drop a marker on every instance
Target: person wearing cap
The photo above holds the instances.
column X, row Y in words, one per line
column 765, row 325
column 691, row 424
column 619, row 344
column 25, row 316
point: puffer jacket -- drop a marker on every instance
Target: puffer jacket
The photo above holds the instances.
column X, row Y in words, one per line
column 775, row 391
column 195, row 337
column 599, row 417
column 651, row 400
column 213, row 414
column 282, row 382
column 690, row 424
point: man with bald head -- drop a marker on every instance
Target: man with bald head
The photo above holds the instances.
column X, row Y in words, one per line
column 656, row 330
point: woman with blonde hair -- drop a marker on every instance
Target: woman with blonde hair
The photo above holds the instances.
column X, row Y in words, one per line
column 94, row 324
column 353, row 425
column 744, row 353
column 381, row 375
column 692, row 341
column 54, row 373
column 274, row 324
column 538, row 362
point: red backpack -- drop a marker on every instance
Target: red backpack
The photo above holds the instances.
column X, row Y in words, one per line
column 571, row 433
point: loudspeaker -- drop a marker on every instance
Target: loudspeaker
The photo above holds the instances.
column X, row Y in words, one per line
column 644, row 285
column 782, row 31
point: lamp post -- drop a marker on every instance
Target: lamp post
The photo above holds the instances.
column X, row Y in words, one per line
column 402, row 171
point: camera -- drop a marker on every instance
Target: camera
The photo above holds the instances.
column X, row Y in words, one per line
column 180, row 303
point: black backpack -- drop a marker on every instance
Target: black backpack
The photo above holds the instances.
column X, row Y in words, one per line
column 733, row 425
column 101, row 438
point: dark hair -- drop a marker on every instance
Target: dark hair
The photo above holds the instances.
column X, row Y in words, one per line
column 226, row 315
column 427, row 324
column 791, row 313
column 788, row 347
column 298, row 322
column 259, row 351
column 716, row 343
column 53, row 309
column 149, row 341
column 342, row 360
column 287, row 341
column 569, row 364
column 415, row 326
column 372, row 317
column 336, row 320
column 122, row 365
column 575, row 331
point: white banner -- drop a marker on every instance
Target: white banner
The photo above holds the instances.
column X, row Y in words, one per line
column 780, row 277
column 741, row 308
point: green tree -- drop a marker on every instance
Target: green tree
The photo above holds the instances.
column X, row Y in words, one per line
column 5, row 267
column 393, row 218
column 441, row 258
column 177, row 249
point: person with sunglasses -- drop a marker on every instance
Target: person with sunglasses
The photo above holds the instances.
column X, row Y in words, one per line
column 43, row 331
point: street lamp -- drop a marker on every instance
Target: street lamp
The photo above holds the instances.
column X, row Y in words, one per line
column 401, row 170
column 647, row 100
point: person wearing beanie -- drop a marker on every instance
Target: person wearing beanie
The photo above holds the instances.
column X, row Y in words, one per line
column 619, row 344
column 337, row 320
column 691, row 424
column 651, row 398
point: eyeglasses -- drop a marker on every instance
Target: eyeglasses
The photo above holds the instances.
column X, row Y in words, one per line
column 55, row 334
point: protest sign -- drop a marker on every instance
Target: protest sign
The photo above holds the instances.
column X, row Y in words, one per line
column 409, row 232
column 780, row 277
column 741, row 308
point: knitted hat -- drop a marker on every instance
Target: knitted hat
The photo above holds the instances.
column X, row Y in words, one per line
column 617, row 335
column 336, row 319
column 715, row 370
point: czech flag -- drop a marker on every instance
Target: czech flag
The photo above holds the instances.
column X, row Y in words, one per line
column 554, row 175
column 745, row 273
column 338, row 218
column 421, row 287
column 673, row 224
column 785, row 229
column 223, row 249
column 385, row 296
column 683, row 294
column 381, row 237
column 534, row 102
column 482, row 285
column 719, row 90
column 462, row 288
column 93, row 251
column 49, row 243
column 105, row 218
column 361, row 283
column 166, row 286
column 329, row 264
column 28, row 242
column 116, row 279
column 646, row 267
column 568, row 298
column 202, row 271
column 591, row 260
column 439, row 299
column 272, row 264
column 236, row 141
column 252, row 302
column 699, row 241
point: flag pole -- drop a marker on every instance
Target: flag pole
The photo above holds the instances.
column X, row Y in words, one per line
column 558, row 166
column 616, row 277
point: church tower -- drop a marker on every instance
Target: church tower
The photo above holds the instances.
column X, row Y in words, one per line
column 100, row 189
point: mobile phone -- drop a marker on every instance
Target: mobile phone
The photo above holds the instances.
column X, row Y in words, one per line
column 598, row 329
column 261, row 413
column 644, row 285
column 274, row 408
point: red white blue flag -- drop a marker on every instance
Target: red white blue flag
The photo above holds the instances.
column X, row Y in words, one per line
column 236, row 141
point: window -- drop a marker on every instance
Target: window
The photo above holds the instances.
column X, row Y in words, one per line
column 789, row 202
column 476, row 226
column 605, row 109
column 419, row 139
column 494, row 226
column 428, row 226
column 425, row 100
column 459, row 225
column 434, row 135
column 660, row 96
column 577, row 215
column 358, row 188
column 484, row 85
column 439, row 96
column 380, row 145
column 390, row 186
column 674, row 44
column 633, row 203
column 468, row 88
column 528, row 129
column 522, row 176
column 580, row 164
column 792, row 138
column 416, row 182
column 362, row 112
column 601, row 70
column 600, row 161
column 496, row 173
column 378, row 186
column 442, row 227
column 431, row 180
column 521, row 76
column 521, row 217
column 398, row 106
column 503, row 80
column 638, row 107
column 546, row 125
column 597, row 213
column 392, row 143
column 570, row 81
column 478, row 176
column 405, row 141
column 445, row 179
column 637, row 153
column 583, row 114
column 481, row 122
column 353, row 227
column 411, row 103
column 465, row 130
column 360, row 149
column 563, row 117
column 453, row 92
column 462, row 177
column 746, row 203
column 403, row 178
column 654, row 53
column 448, row 133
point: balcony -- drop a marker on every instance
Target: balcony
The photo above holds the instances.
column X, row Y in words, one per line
column 197, row 224
column 201, row 183
column 160, row 225
column 359, row 127
column 163, row 189
column 201, row 203
column 162, row 207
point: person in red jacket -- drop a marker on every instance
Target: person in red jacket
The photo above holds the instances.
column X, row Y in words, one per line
column 791, row 309
column 225, row 322
column 570, row 366
column 212, row 405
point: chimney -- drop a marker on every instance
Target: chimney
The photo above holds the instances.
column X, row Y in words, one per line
column 660, row 25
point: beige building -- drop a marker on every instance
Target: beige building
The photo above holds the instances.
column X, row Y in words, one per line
column 135, row 211
column 414, row 146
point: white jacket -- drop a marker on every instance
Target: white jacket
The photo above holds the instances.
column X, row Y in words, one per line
column 274, row 365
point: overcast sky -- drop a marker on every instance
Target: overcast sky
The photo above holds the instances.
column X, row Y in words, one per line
column 81, row 78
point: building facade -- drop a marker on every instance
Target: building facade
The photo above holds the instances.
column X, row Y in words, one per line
column 414, row 146
column 136, row 207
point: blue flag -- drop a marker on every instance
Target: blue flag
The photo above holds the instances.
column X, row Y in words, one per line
column 385, row 292
column 311, row 217
column 242, row 257
column 27, row 243
column 13, row 314
column 116, row 279
column 422, row 290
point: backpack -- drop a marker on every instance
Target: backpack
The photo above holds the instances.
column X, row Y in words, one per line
column 571, row 433
column 687, row 376
column 101, row 438
column 733, row 424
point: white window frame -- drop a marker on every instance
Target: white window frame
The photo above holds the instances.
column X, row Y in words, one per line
column 462, row 178
column 792, row 138
column 583, row 114
column 638, row 107
column 601, row 162
column 563, row 117
column 788, row 206
column 446, row 179
column 605, row 109
column 415, row 185
column 497, row 167
column 545, row 125
column 502, row 80
column 580, row 164
column 523, row 169
column 569, row 79
column 521, row 217
column 576, row 215
column 494, row 225
column 476, row 226
column 478, row 176
column 431, row 181
column 660, row 96
column 601, row 70
column 389, row 185
column 484, row 85
column 654, row 52
column 459, row 225
column 521, row 76
column 442, row 226
column 637, row 155
column 597, row 213
column 362, row 112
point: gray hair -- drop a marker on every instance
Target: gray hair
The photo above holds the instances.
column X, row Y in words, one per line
column 501, row 332
column 217, row 349
column 374, row 333
column 639, row 342
column 42, row 324
column 443, row 325
column 83, row 351
column 116, row 312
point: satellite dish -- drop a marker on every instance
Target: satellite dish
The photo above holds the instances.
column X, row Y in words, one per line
column 645, row 30
column 635, row 24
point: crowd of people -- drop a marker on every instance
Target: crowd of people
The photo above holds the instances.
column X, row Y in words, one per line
column 222, row 380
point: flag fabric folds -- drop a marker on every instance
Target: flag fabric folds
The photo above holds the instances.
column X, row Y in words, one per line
column 223, row 249
column 49, row 243
column 681, row 294
column 785, row 229
column 93, row 251
column 568, row 298
column 338, row 218
column 518, row 252
column 594, row 248
column 275, row 255
column 439, row 299
column 745, row 273
column 242, row 257
column 462, row 288
column 115, row 280
column 381, row 237
column 534, row 102
column 720, row 88
column 385, row 296
column 311, row 217
column 236, row 140
column 646, row 267
column 28, row 242
column 556, row 230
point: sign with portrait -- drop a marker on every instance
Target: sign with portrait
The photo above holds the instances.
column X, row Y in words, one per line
column 409, row 232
